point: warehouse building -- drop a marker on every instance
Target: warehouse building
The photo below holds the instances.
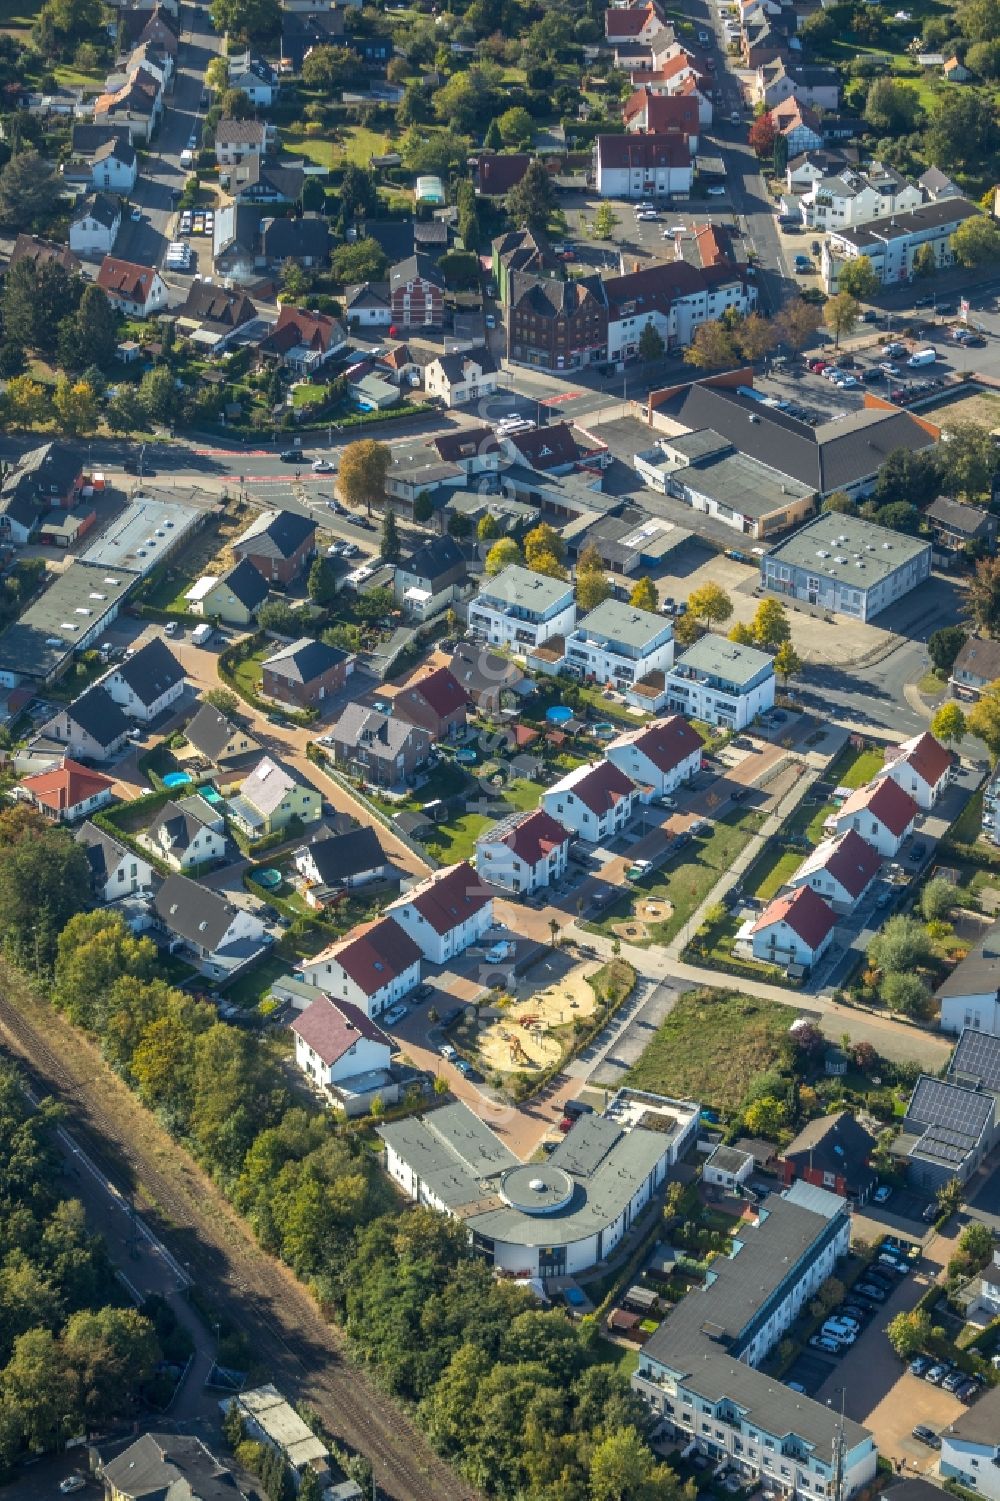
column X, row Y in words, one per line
column 846, row 565
column 70, row 616
column 146, row 533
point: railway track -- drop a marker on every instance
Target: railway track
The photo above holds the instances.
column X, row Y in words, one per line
column 258, row 1294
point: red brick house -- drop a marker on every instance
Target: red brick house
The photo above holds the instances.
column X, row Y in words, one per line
column 306, row 673
column 416, row 291
column 278, row 544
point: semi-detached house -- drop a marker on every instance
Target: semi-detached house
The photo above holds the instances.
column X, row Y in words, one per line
column 376, row 965
column 147, row 683
column 841, row 870
column 660, row 757
column 115, row 870
column 92, row 726
column 922, row 766
column 698, row 1370
column 882, row 813
column 595, row 802
column 445, row 913
column 524, row 852
column 795, row 929
column 336, row 1042
column 970, row 995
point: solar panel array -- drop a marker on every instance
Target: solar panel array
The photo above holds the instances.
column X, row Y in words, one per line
column 939, row 1104
column 977, row 1056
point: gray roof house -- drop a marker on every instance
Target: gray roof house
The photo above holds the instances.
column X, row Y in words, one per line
column 147, row 682
column 976, row 666
column 304, row 240
column 220, row 937
column 93, row 725
column 169, row 1467
column 186, row 834
column 384, row 751
column 115, row 869
column 217, row 738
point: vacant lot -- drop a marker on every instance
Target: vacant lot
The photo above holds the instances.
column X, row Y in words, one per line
column 980, row 407
column 712, row 1046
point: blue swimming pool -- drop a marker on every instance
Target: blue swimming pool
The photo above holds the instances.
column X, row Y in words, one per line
column 558, row 714
column 466, row 755
column 176, row 779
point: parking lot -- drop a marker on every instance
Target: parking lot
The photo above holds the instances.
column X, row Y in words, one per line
column 646, row 239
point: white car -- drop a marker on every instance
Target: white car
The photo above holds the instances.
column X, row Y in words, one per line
column 848, row 381
column 676, row 229
column 70, row 1484
column 447, row 1051
column 716, row 192
column 323, row 466
column 395, row 1014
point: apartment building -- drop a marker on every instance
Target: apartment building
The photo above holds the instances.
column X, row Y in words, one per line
column 721, row 682
column 852, row 197
column 891, row 245
column 697, row 1371
column 522, row 609
column 619, row 644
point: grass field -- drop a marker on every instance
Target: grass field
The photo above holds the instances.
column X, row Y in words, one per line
column 17, row 15
column 687, row 882
column 980, row 407
column 853, row 768
column 771, row 872
column 456, row 840
column 712, row 1046
column 356, row 144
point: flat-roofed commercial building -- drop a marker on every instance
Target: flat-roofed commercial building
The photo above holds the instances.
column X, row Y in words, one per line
column 146, row 533
column 543, row 1219
column 697, row 1371
column 846, row 565
column 708, row 472
column 68, row 617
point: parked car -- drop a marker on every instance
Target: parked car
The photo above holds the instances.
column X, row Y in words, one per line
column 936, row 1374
column 72, row 1483
column 967, row 1390
column 451, row 1016
column 931, row 1212
column 821, row 1342
column 869, row 1290
column 291, row 456
column 423, row 992
column 953, row 1381
column 883, row 1193
column 447, row 1051
column 920, row 1365
column 873, row 374
column 927, row 1436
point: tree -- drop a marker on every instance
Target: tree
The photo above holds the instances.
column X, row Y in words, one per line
column 765, row 1116
column 892, row 108
column 487, row 528
column 26, row 402
column 364, row 466
column 358, row 193
column 944, row 645
column 976, row 242
column 255, row 20
column 124, row 412
column 643, row 594
column 937, row 900
column 841, row 315
column 907, row 476
column 903, row 992
column 329, row 68
column 436, row 154
column 982, row 600
column 322, row 582
column 37, row 1386
column 364, row 260
column 622, row 1468
column 968, row 459
column 983, row 58
column 29, row 192
column 389, row 549
column 75, row 407
column 902, row 945
column 516, row 126
column 840, row 503
column 651, row 345
column 423, row 507
column 763, row 133
column 90, row 335
column 605, row 222
column 755, row 336
column 925, row 261
column 859, row 278
column 493, row 139
column 592, row 586
column 900, row 516
column 157, row 394
column 797, row 322
column 109, row 1353
column 547, row 563
column 501, row 555
column 787, row 662
column 770, row 624
column 531, row 202
column 948, row 723
column 961, row 132
column 779, row 158
column 710, row 605
column 712, row 347
column 544, row 539
column 741, row 634
column 223, row 699
column 983, row 718
column 909, row 1333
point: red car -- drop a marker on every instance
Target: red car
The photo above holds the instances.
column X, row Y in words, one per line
column 818, row 366
column 567, row 255
column 897, row 395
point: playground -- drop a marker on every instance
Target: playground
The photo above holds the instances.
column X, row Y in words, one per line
column 536, row 1031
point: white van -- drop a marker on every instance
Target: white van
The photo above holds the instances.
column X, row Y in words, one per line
column 922, row 357
column 187, row 158
column 202, row 633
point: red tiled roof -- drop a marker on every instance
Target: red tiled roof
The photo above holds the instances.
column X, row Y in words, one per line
column 498, row 174
column 928, row 757
column 441, row 690
column 524, row 735
column 885, row 801
column 627, row 20
column 315, row 330
column 448, row 897
column 535, row 835
column 649, row 150
column 373, row 954
column 806, row 914
column 852, row 862
column 125, row 278
column 602, row 787
column 665, row 742
column 331, row 1028
column 65, row 786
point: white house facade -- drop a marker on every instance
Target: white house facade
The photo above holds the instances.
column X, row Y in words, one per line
column 446, row 913
column 375, row 966
column 595, row 802
column 660, row 757
column 522, row 609
column 523, row 853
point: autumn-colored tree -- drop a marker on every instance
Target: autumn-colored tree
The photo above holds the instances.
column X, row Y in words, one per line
column 501, row 555
column 756, row 336
column 983, row 718
column 770, row 624
column 363, row 469
column 592, row 586
column 762, row 135
column 712, row 347
column 643, row 595
column 948, row 723
column 710, row 604
column 75, row 407
column 742, row 634
column 797, row 323
column 787, row 662
column 544, row 539
column 547, row 563
column 841, row 315
column 982, row 598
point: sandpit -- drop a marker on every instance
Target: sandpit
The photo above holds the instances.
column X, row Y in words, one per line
column 631, row 930
column 523, row 1037
column 654, row 909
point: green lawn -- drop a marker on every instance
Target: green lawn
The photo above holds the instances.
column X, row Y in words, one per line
column 772, row 870
column 808, row 819
column 248, row 674
column 715, row 950
column 624, row 1358
column 853, row 768
column 687, row 881
column 250, row 988
column 308, row 396
column 356, row 144
column 969, row 824
column 712, row 1046
column 456, row 839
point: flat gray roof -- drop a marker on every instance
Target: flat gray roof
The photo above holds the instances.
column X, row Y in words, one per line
column 726, row 659
column 835, row 545
column 529, row 591
column 624, row 623
column 53, row 627
column 144, row 532
column 742, row 483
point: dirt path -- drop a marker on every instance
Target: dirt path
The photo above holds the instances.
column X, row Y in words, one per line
column 305, row 1356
